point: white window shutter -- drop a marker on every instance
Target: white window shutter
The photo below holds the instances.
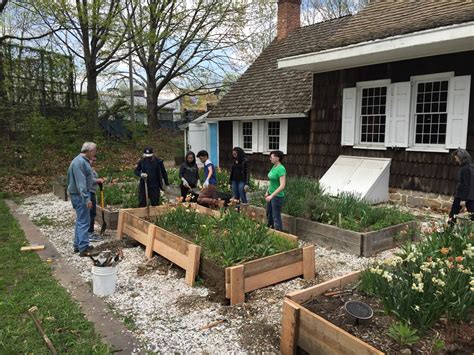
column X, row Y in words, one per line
column 398, row 115
column 236, row 133
column 458, row 111
column 348, row 116
column 254, row 136
column 261, row 136
column 283, row 135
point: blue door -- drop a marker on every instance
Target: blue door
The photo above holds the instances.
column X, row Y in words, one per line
column 214, row 143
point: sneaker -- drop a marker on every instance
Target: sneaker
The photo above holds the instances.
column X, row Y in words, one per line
column 89, row 251
column 76, row 250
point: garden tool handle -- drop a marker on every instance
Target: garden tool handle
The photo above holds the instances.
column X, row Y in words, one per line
column 101, row 186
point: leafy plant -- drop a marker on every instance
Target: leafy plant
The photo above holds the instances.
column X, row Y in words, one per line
column 124, row 195
column 305, row 198
column 229, row 239
column 429, row 280
column 403, row 334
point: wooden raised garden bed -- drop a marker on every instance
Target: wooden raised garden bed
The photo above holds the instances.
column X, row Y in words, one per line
column 111, row 217
column 60, row 188
column 359, row 243
column 303, row 329
column 234, row 281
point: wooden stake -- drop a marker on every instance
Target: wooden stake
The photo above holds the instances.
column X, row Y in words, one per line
column 32, row 248
column 308, row 262
column 213, row 324
column 289, row 327
column 48, row 342
column 237, row 285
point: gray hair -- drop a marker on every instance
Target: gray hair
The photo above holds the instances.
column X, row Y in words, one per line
column 88, row 146
column 464, row 156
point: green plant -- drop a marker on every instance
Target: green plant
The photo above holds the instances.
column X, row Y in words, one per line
column 438, row 345
column 228, row 240
column 403, row 334
column 124, row 194
column 305, row 198
column 426, row 281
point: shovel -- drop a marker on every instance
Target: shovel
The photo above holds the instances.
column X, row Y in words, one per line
column 146, row 196
column 104, row 223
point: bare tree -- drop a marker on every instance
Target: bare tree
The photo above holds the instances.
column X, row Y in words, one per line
column 183, row 46
column 323, row 10
column 93, row 32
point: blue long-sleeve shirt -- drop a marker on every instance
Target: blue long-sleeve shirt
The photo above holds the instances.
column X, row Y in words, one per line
column 80, row 177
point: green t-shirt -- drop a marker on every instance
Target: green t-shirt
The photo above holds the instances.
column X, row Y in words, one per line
column 274, row 176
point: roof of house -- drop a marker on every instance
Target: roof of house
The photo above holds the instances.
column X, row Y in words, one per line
column 265, row 90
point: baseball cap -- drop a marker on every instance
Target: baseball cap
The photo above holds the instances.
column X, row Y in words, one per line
column 148, row 152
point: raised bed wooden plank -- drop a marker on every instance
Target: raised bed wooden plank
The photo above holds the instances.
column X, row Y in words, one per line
column 172, row 247
column 273, row 262
column 328, row 235
column 319, row 336
column 313, row 333
column 274, row 276
column 301, row 296
column 111, row 217
column 377, row 241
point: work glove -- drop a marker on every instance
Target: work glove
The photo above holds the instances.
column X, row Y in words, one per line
column 199, row 185
column 185, row 182
column 143, row 175
column 246, row 188
column 206, row 183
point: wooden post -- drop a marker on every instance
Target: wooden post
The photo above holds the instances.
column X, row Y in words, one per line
column 308, row 262
column 121, row 222
column 289, row 327
column 237, row 285
column 292, row 225
column 194, row 254
column 149, row 242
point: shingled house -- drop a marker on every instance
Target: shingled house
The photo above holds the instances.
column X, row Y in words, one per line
column 391, row 81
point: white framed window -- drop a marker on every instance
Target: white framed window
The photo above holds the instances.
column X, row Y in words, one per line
column 371, row 109
column 261, row 136
column 428, row 113
column 429, row 110
column 273, row 135
column 247, row 135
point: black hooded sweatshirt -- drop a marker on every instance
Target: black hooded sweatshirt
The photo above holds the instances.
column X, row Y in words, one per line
column 465, row 178
column 240, row 169
column 189, row 171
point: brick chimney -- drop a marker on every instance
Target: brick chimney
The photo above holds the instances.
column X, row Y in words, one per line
column 288, row 17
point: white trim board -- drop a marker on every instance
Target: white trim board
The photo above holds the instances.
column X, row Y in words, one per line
column 441, row 40
column 260, row 117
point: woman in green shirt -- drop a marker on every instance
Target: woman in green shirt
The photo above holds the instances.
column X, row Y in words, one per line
column 276, row 190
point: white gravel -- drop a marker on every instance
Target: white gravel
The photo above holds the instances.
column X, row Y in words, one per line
column 166, row 314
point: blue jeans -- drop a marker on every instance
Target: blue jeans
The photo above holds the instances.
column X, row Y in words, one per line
column 83, row 220
column 274, row 213
column 238, row 191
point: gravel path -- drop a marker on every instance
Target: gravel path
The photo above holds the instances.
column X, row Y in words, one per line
column 166, row 314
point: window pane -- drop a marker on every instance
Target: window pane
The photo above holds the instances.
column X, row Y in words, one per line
column 247, row 135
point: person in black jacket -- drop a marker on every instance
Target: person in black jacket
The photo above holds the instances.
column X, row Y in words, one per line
column 239, row 175
column 151, row 169
column 464, row 195
column 188, row 174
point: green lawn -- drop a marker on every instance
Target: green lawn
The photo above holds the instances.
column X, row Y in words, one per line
column 26, row 281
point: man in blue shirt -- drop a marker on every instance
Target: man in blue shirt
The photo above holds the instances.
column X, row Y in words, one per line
column 208, row 195
column 79, row 183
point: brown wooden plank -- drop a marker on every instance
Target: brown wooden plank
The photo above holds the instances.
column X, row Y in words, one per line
column 272, row 262
column 172, row 240
column 301, row 296
column 285, row 235
column 192, row 269
column 227, row 282
column 150, row 241
column 289, row 327
column 182, row 260
column 237, row 290
column 273, row 276
column 331, row 236
column 377, row 241
column 121, row 222
column 136, row 234
column 308, row 262
column 32, row 248
column 319, row 336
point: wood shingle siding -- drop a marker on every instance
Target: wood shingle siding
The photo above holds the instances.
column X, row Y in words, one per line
column 422, row 171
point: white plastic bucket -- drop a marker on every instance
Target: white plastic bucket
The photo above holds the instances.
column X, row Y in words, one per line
column 104, row 280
